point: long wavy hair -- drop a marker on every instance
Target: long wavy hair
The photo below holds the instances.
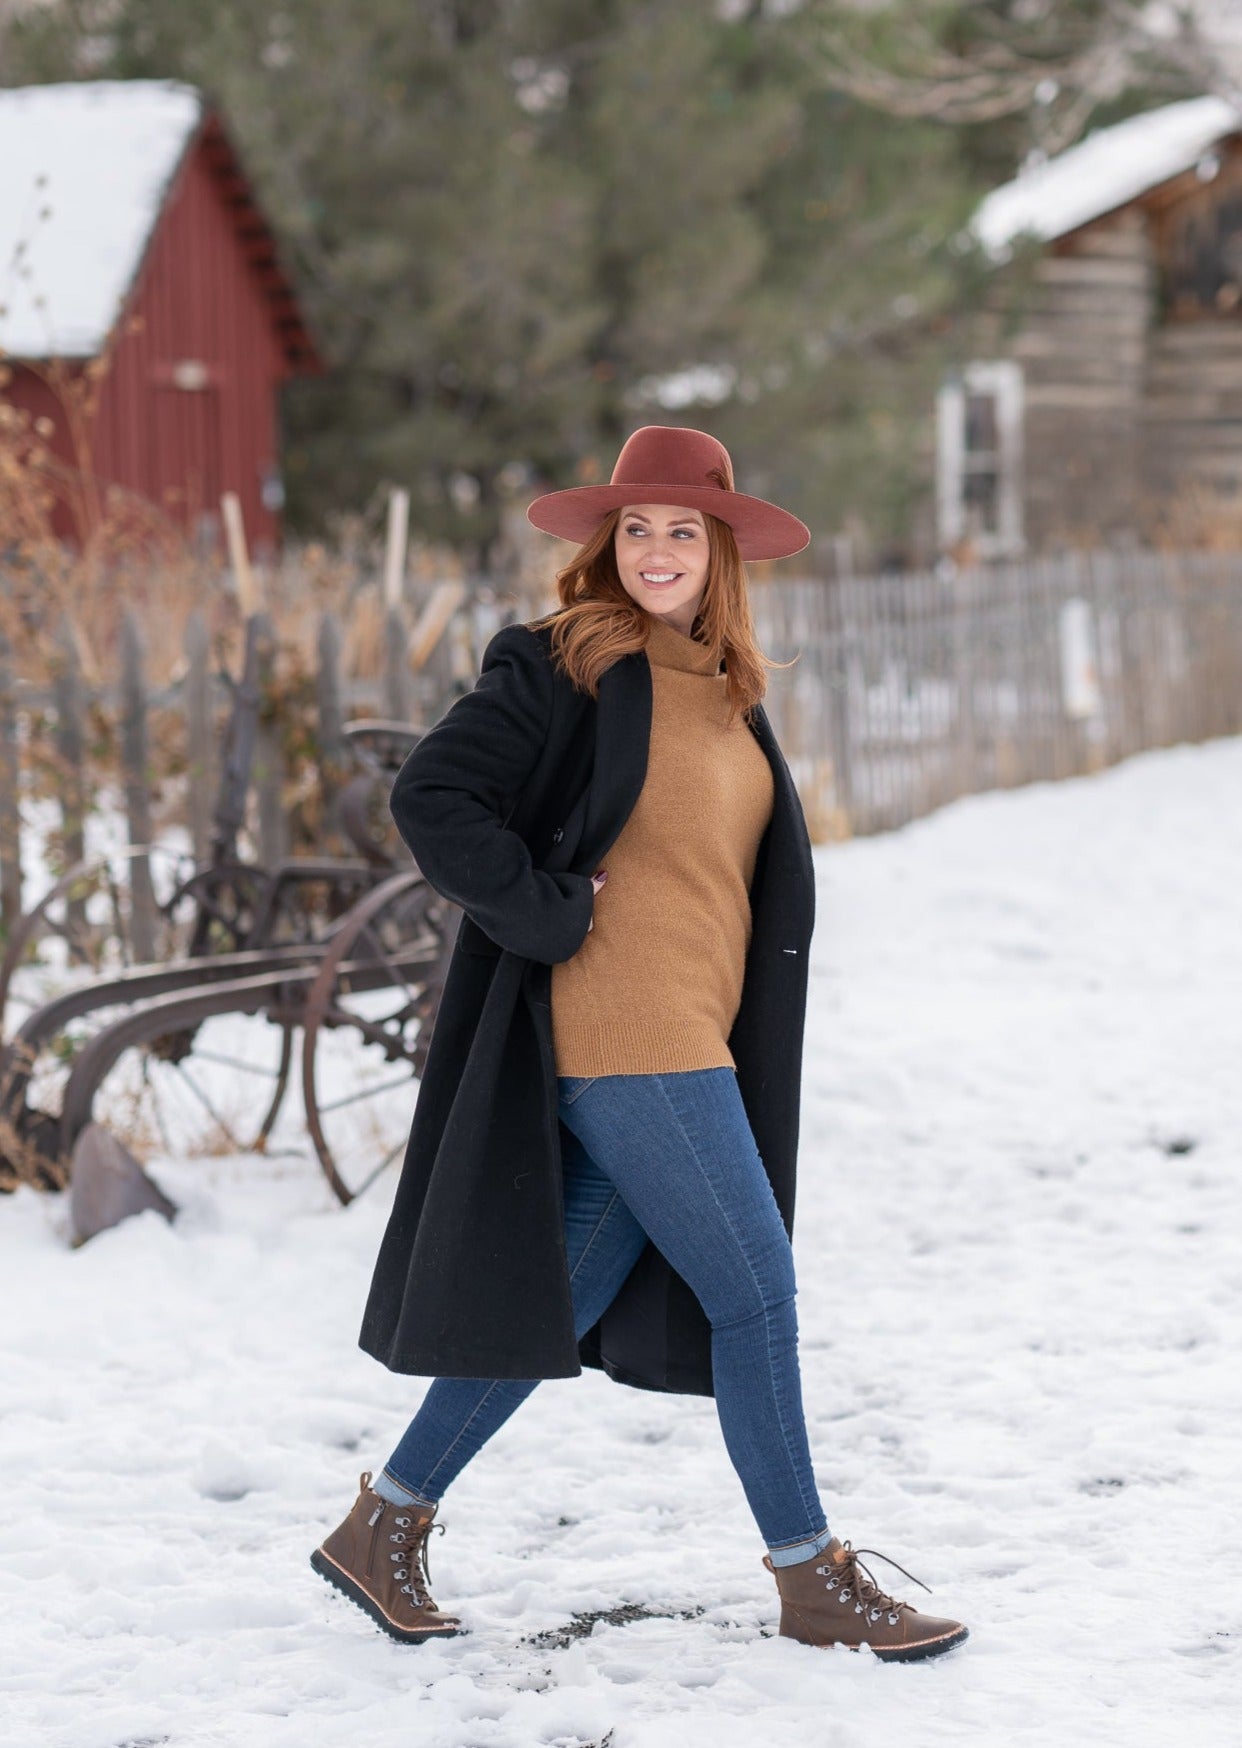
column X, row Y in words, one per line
column 597, row 622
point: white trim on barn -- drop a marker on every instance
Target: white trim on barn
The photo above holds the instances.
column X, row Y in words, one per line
column 86, row 170
column 979, row 416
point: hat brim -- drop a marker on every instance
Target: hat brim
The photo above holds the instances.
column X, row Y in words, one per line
column 762, row 530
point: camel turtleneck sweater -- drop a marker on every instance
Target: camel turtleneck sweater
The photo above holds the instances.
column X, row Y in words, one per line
column 656, row 985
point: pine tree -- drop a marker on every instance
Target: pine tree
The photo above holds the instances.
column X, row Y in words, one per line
column 518, row 224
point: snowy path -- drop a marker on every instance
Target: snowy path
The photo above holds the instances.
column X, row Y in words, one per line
column 1020, row 1257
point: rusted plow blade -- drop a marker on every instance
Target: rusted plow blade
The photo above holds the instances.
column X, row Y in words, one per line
column 107, row 1185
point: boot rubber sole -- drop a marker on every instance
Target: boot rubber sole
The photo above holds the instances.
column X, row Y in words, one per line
column 794, row 1626
column 332, row 1573
column 916, row 1653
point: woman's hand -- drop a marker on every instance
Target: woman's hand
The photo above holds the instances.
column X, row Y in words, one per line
column 597, row 881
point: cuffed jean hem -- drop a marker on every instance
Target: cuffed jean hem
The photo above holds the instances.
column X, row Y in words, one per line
column 388, row 1487
column 794, row 1552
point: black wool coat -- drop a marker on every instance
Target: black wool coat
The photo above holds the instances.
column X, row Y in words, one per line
column 509, row 804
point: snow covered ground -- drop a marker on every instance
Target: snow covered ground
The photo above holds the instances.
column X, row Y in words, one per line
column 1020, row 1274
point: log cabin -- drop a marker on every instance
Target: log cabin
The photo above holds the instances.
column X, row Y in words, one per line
column 1098, row 389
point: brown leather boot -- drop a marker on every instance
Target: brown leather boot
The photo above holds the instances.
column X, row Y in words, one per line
column 378, row 1558
column 832, row 1599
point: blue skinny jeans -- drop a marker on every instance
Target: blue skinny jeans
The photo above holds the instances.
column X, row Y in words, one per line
column 670, row 1157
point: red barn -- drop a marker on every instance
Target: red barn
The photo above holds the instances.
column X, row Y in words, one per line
column 128, row 231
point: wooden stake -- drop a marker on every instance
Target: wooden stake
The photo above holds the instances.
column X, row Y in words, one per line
column 239, row 557
column 430, row 627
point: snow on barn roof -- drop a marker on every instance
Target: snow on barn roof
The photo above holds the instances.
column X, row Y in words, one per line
column 1110, row 166
column 86, row 168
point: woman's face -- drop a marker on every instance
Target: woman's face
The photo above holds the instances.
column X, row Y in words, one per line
column 662, row 560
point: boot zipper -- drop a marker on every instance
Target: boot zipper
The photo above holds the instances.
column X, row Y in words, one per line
column 372, row 1524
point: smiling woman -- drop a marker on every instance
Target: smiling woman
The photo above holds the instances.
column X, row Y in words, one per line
column 602, row 1161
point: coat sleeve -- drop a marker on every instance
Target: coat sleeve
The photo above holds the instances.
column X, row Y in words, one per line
column 456, row 788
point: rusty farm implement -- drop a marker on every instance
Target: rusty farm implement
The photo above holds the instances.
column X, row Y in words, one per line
column 322, row 973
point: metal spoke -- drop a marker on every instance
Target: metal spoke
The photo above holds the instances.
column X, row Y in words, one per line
column 156, row 1107
column 235, row 1062
column 367, row 1092
column 382, row 1166
column 387, row 961
column 201, row 1096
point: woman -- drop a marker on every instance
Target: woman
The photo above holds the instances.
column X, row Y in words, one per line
column 601, row 1164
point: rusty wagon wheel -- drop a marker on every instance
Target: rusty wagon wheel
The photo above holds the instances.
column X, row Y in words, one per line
column 367, row 1026
column 165, row 1057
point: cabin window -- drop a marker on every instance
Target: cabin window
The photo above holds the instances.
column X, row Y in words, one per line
column 1202, row 258
column 979, row 458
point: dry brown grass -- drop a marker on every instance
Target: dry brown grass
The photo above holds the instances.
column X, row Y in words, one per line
column 1198, row 517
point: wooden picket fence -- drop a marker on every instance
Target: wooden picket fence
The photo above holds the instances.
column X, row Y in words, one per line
column 906, row 691
column 911, row 689
column 191, row 711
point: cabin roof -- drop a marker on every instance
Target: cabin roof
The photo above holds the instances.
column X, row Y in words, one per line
column 1106, row 169
column 87, row 166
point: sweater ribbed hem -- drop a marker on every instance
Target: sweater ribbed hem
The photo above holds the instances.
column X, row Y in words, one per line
column 639, row 1047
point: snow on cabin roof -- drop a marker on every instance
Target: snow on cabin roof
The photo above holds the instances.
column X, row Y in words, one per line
column 85, row 170
column 1110, row 166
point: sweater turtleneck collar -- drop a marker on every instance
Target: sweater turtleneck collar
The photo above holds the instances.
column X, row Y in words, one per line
column 669, row 648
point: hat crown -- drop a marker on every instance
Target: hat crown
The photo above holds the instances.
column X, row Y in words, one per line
column 673, row 455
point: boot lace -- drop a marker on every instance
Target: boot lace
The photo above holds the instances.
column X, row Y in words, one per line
column 413, row 1549
column 859, row 1581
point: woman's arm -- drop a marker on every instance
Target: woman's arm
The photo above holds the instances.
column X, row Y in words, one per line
column 456, row 788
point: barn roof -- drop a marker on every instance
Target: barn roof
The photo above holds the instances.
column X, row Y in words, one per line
column 1104, row 170
column 88, row 167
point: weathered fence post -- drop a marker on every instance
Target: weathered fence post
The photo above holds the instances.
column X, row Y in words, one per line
column 70, row 756
column 396, row 666
column 269, row 762
column 10, row 812
column 331, row 717
column 840, row 749
column 199, row 733
column 135, row 765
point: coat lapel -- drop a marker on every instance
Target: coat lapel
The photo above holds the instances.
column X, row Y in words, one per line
column 622, row 735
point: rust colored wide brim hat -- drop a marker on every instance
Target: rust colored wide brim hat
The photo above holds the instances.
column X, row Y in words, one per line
column 672, row 464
